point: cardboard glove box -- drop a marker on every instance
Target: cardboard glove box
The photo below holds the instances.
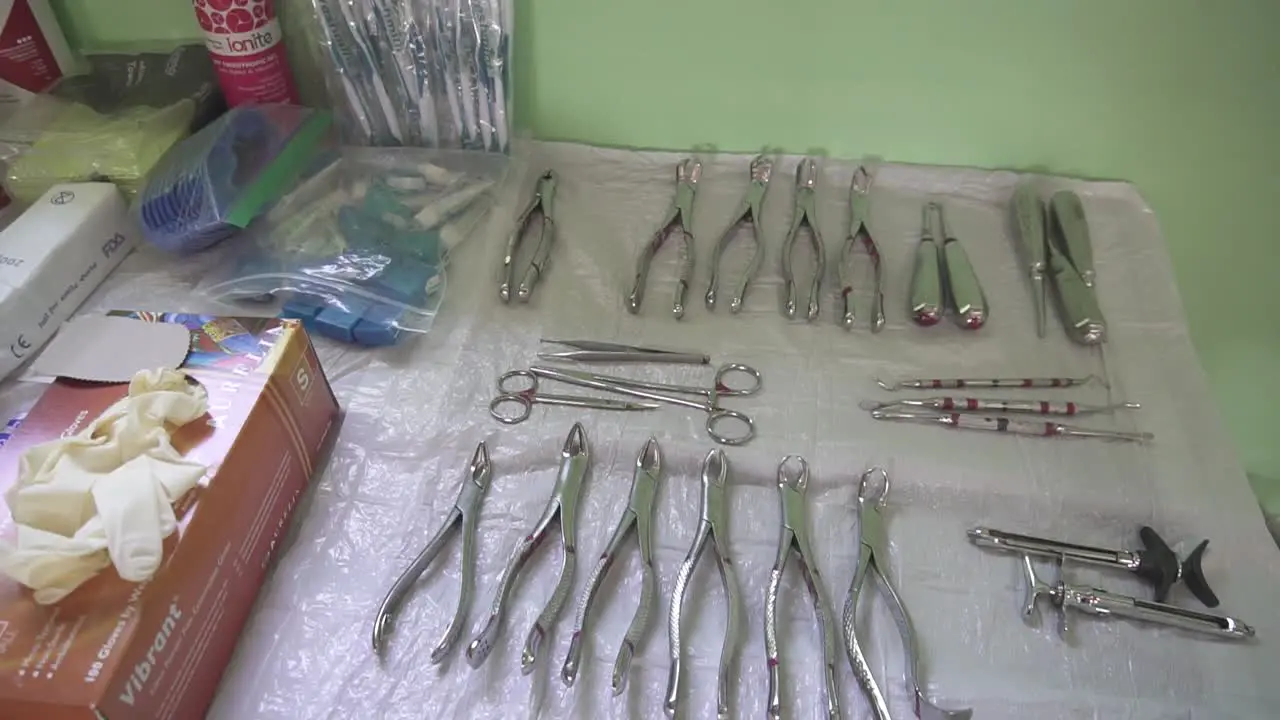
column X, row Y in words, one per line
column 114, row 650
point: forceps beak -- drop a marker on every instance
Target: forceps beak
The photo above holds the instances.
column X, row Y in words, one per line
column 715, row 468
column 576, row 443
column 650, row 458
column 481, row 469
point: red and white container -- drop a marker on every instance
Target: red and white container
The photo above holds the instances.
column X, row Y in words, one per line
column 33, row 51
column 246, row 43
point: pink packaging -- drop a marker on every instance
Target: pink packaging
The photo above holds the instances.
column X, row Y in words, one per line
column 246, row 43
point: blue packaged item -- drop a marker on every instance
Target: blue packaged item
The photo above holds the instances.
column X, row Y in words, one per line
column 215, row 182
column 358, row 250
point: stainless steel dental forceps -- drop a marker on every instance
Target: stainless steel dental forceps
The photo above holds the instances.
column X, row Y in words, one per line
column 1029, row 213
column 795, row 537
column 805, row 213
column 591, row 351
column 960, row 283
column 873, row 540
column 669, row 394
column 712, row 525
column 748, row 211
column 1070, row 261
column 525, row 398
column 465, row 509
column 542, row 204
column 575, row 458
column 679, row 216
column 638, row 515
column 860, row 235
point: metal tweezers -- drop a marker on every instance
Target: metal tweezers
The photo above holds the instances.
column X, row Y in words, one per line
column 712, row 525
column 795, row 537
column 574, row 461
column 542, row 204
column 592, row 351
column 638, row 515
column 679, row 216
column 873, row 556
column 749, row 210
column 465, row 509
column 805, row 213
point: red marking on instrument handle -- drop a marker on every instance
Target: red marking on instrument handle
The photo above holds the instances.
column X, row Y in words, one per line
column 948, row 403
column 935, row 383
column 960, row 383
column 973, row 321
column 1058, row 382
column 722, row 388
column 845, row 291
column 1044, row 408
column 1028, row 382
column 773, row 662
column 971, row 403
column 955, row 419
column 1050, row 429
column 1071, row 408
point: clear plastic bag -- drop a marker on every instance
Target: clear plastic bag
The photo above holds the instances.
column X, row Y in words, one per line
column 217, row 181
column 358, row 251
column 427, row 73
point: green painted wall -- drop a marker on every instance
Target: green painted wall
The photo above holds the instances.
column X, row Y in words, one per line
column 1179, row 96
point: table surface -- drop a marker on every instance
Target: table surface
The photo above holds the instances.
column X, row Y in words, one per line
column 415, row 414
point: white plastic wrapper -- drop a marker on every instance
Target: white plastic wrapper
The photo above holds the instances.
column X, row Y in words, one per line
column 416, row 412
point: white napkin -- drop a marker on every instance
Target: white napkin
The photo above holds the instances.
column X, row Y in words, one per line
column 105, row 495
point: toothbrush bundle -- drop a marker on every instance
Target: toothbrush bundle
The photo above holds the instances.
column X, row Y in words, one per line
column 425, row 73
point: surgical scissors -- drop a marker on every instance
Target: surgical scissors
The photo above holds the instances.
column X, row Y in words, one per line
column 466, row 508
column 575, row 459
column 526, row 398
column 712, row 525
column 873, row 541
column 680, row 215
column 860, row 235
column 542, row 204
column 805, row 213
column 638, row 515
column 795, row 538
column 748, row 211
column 659, row 392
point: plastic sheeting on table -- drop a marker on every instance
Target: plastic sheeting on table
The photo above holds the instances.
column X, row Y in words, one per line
column 415, row 414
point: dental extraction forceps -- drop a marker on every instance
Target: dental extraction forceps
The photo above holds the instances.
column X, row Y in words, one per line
column 575, row 458
column 542, row 205
column 638, row 515
column 795, row 538
column 526, row 398
column 467, row 510
column 873, row 540
column 592, row 351
column 1029, row 213
column 679, row 217
column 748, row 211
column 712, row 525
column 860, row 235
column 805, row 213
column 662, row 393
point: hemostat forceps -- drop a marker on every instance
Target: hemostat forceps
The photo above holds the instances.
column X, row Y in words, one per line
column 873, row 554
column 542, row 204
column 526, row 398
column 712, row 526
column 860, row 235
column 795, row 537
column 679, row 217
column 575, row 458
column 805, row 213
column 748, row 211
column 465, row 509
column 638, row 515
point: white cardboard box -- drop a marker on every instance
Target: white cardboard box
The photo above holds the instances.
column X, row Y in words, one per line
column 52, row 257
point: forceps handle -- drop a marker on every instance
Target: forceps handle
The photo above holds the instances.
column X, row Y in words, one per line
column 569, row 671
column 484, row 640
column 676, row 613
column 400, row 590
column 926, row 284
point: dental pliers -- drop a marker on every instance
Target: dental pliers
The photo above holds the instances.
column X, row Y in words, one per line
column 638, row 515
column 873, row 540
column 860, row 236
column 795, row 538
column 679, row 217
column 805, row 213
column 712, row 525
column 574, row 461
column 541, row 205
column 465, row 509
column 748, row 211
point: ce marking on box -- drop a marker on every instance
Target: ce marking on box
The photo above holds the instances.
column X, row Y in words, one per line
column 62, row 198
column 20, row 347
